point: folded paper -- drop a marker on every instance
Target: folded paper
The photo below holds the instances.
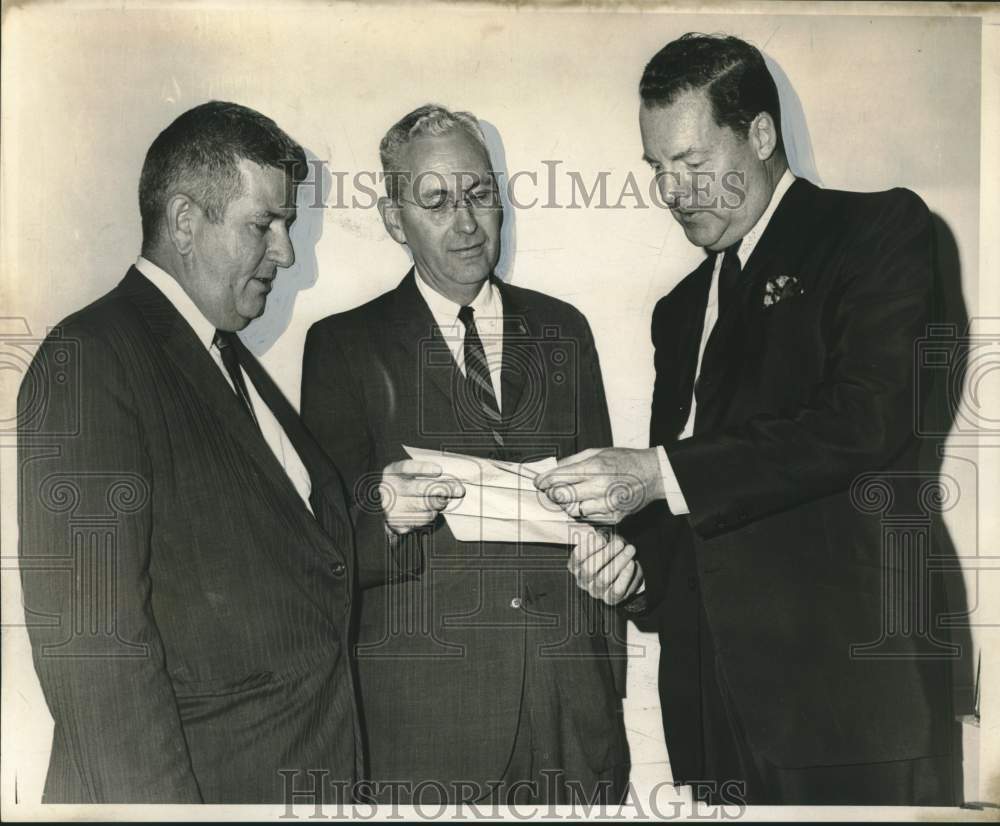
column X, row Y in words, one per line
column 501, row 503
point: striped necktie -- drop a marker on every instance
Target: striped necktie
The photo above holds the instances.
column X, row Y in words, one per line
column 479, row 387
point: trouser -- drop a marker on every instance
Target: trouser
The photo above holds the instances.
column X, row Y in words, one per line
column 548, row 765
column 726, row 770
column 733, row 769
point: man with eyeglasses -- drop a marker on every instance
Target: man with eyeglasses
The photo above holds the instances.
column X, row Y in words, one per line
column 485, row 673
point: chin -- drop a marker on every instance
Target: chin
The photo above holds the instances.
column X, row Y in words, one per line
column 253, row 311
column 473, row 276
column 707, row 237
column 699, row 237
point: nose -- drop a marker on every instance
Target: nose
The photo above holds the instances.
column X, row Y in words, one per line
column 281, row 251
column 465, row 221
column 675, row 189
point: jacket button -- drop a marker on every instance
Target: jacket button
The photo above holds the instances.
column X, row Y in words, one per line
column 337, row 568
column 516, row 602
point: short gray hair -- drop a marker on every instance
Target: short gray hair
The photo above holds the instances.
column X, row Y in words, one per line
column 429, row 120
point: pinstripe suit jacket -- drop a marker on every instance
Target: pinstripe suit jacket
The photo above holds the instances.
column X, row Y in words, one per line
column 188, row 616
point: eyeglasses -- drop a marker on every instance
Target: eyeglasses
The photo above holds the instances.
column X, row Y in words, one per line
column 443, row 205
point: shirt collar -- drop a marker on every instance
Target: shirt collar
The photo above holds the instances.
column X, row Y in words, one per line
column 175, row 294
column 749, row 241
column 445, row 311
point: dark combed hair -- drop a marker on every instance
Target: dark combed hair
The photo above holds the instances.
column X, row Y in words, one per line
column 199, row 154
column 731, row 71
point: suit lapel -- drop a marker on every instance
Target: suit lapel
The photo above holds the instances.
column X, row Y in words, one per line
column 321, row 469
column 783, row 245
column 415, row 335
column 194, row 362
column 678, row 342
column 520, row 357
column 779, row 251
column 327, row 495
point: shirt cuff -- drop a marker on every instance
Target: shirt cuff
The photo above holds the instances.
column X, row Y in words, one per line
column 671, row 488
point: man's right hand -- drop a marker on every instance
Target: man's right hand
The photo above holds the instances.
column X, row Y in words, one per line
column 414, row 493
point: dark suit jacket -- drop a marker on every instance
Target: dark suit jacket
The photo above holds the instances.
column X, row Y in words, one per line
column 188, row 615
column 442, row 653
column 817, row 395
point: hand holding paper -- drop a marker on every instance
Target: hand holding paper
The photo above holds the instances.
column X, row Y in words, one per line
column 604, row 485
column 501, row 503
column 413, row 493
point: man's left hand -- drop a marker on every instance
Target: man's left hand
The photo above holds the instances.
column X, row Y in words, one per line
column 604, row 485
column 604, row 566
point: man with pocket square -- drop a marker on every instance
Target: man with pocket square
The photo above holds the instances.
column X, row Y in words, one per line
column 784, row 379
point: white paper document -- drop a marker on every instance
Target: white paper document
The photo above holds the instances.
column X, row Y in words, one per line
column 501, row 503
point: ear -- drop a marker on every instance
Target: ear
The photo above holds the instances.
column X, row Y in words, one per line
column 182, row 216
column 763, row 136
column 389, row 210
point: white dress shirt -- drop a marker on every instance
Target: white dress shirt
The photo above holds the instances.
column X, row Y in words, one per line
column 671, row 488
column 488, row 309
column 204, row 330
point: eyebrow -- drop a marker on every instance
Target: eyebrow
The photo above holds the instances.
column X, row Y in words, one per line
column 271, row 214
column 435, row 190
column 691, row 150
column 474, row 180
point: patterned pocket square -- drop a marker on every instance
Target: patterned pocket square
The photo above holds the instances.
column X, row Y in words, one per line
column 780, row 288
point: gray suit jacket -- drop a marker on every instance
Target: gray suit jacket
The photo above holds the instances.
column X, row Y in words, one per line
column 442, row 652
column 188, row 616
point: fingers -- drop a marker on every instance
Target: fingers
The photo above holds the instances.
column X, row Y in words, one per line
column 412, row 467
column 604, row 569
column 591, row 543
column 569, row 463
column 412, row 478
column 598, row 500
column 414, row 492
column 625, row 584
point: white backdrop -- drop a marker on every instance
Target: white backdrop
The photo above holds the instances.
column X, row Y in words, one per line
column 873, row 102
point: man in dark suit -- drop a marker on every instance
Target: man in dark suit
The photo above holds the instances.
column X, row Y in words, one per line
column 186, row 551
column 783, row 407
column 484, row 672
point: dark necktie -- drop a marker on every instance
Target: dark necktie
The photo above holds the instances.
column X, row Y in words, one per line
column 230, row 360
column 729, row 277
column 478, row 385
column 719, row 352
column 322, row 473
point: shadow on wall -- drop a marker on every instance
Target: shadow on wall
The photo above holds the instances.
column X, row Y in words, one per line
column 508, row 239
column 952, row 617
column 794, row 131
column 941, row 408
column 261, row 334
